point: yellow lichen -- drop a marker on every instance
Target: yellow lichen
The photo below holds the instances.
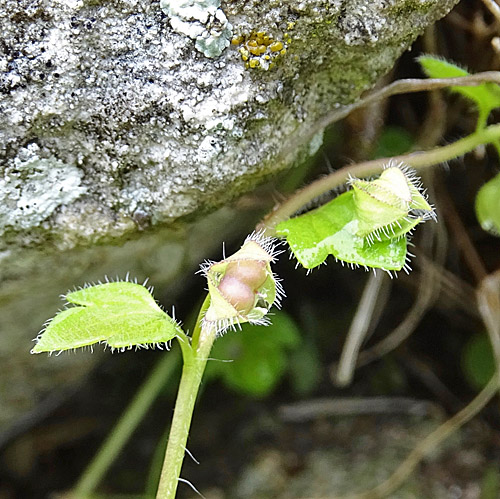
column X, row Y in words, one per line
column 276, row 46
column 259, row 49
column 245, row 54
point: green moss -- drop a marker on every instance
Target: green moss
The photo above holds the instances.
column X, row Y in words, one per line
column 408, row 7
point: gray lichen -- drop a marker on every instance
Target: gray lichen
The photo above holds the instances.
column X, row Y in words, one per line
column 201, row 20
column 32, row 187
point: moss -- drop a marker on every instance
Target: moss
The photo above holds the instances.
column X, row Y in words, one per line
column 408, row 7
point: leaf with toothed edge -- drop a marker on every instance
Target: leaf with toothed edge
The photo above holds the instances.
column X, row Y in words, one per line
column 330, row 230
column 113, row 293
column 120, row 314
column 486, row 96
column 366, row 226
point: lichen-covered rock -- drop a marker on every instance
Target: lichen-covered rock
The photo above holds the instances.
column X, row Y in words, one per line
column 117, row 97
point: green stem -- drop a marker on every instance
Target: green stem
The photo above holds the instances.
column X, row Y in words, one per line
column 127, row 423
column 192, row 372
column 418, row 160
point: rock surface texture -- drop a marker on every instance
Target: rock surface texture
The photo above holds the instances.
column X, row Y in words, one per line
column 114, row 117
column 117, row 115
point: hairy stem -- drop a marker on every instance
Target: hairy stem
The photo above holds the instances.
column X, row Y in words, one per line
column 405, row 86
column 418, row 160
column 192, row 372
column 395, row 88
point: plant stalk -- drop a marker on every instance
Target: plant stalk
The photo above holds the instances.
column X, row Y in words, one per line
column 418, row 160
column 192, row 372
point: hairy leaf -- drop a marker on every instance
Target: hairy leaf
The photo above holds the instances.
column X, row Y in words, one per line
column 486, row 96
column 331, row 230
column 113, row 293
column 119, row 314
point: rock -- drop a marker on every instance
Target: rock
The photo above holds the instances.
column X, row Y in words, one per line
column 113, row 120
column 132, row 118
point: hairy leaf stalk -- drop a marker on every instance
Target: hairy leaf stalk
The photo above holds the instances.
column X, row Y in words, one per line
column 195, row 360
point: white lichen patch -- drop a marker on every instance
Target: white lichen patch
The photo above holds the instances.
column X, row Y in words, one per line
column 203, row 21
column 34, row 187
column 366, row 24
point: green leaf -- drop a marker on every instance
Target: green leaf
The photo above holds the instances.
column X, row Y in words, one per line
column 478, row 361
column 331, row 230
column 486, row 96
column 113, row 293
column 365, row 226
column 393, row 141
column 488, row 206
column 119, row 314
column 258, row 354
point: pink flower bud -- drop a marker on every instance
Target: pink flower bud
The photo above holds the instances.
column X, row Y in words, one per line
column 242, row 287
column 253, row 273
column 237, row 293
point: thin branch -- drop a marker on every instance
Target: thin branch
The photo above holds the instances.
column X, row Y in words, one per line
column 489, row 305
column 319, row 408
column 126, row 425
column 358, row 330
column 404, row 86
column 459, row 232
column 428, row 290
column 488, row 299
column 428, row 444
column 494, row 8
column 455, row 292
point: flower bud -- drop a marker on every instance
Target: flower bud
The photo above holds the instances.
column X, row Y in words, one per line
column 237, row 293
column 251, row 272
column 242, row 287
column 391, row 205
